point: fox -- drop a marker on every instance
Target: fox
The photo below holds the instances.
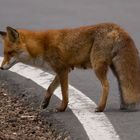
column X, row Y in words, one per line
column 99, row 47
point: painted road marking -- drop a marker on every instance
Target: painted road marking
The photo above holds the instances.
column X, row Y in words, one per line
column 96, row 125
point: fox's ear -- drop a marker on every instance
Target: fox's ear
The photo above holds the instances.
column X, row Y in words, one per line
column 2, row 34
column 13, row 34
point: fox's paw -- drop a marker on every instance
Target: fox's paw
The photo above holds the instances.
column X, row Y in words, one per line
column 45, row 102
column 130, row 108
column 99, row 109
column 61, row 108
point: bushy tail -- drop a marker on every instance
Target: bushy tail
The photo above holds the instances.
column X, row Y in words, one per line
column 126, row 67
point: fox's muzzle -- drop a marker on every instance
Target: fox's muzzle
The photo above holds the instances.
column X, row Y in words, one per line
column 7, row 65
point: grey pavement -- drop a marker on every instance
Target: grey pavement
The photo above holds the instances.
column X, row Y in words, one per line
column 43, row 14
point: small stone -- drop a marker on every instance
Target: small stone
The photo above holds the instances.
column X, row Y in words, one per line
column 67, row 138
column 13, row 125
column 11, row 120
column 21, row 112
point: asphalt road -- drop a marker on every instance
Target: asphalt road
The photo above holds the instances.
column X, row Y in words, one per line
column 42, row 14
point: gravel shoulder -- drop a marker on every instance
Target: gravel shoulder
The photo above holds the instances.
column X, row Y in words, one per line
column 21, row 118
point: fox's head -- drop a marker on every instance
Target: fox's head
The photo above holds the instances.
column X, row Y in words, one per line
column 15, row 50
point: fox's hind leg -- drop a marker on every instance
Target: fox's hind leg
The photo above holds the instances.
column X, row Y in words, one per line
column 123, row 106
column 55, row 83
column 101, row 68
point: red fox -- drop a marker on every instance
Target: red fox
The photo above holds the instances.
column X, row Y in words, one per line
column 99, row 47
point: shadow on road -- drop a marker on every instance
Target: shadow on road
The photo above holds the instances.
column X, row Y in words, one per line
column 18, row 85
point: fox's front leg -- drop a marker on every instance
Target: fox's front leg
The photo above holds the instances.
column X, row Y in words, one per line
column 55, row 83
column 63, row 77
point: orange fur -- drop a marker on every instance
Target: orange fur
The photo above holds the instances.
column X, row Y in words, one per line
column 99, row 47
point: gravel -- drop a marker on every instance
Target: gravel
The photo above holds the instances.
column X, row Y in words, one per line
column 20, row 121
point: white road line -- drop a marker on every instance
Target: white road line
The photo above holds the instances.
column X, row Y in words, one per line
column 96, row 125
